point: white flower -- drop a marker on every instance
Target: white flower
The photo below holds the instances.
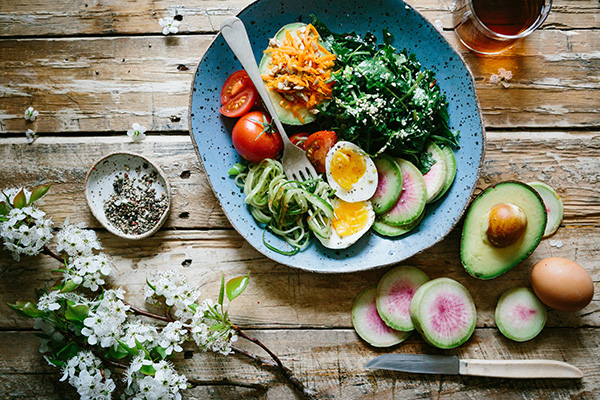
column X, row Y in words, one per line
column 502, row 77
column 50, row 301
column 172, row 336
column 137, row 132
column 76, row 241
column 31, row 136
column 89, row 271
column 169, row 24
column 86, row 374
column 219, row 341
column 26, row 231
column 104, row 323
column 137, row 331
column 164, row 384
column 31, row 114
column 177, row 293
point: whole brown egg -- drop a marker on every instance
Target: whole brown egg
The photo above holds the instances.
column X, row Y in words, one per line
column 562, row 284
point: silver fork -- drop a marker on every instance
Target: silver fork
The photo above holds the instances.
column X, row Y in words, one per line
column 295, row 164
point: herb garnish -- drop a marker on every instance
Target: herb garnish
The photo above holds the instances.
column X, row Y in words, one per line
column 382, row 99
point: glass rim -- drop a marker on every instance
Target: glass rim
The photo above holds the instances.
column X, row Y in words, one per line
column 540, row 20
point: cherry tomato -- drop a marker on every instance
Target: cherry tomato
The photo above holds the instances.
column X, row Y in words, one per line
column 317, row 146
column 236, row 82
column 255, row 139
column 240, row 104
column 299, row 138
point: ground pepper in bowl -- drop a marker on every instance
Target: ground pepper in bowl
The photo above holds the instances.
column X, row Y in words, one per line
column 134, row 208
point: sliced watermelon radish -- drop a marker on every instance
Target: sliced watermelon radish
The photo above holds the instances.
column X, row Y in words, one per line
column 436, row 176
column 394, row 292
column 443, row 312
column 394, row 231
column 451, row 173
column 553, row 204
column 412, row 199
column 369, row 325
column 389, row 184
column 520, row 315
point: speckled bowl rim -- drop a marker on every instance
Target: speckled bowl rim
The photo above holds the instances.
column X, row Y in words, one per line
column 384, row 264
column 109, row 227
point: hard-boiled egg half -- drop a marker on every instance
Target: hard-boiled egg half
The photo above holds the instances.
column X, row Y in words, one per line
column 350, row 172
column 350, row 222
column 353, row 176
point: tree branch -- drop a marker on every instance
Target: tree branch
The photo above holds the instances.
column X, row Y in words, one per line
column 52, row 254
column 227, row 382
column 286, row 372
column 145, row 313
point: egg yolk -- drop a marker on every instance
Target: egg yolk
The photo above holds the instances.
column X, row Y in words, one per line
column 347, row 167
column 350, row 218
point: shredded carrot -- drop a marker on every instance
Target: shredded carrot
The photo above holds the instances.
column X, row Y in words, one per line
column 300, row 70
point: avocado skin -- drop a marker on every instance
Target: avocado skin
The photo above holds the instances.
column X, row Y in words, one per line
column 501, row 260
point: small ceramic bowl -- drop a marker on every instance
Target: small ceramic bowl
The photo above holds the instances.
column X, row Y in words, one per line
column 99, row 187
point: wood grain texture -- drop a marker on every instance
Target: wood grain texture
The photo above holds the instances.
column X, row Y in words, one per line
column 93, row 17
column 106, row 84
column 566, row 161
column 280, row 296
column 330, row 361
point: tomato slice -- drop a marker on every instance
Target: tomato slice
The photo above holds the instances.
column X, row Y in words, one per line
column 234, row 85
column 299, row 139
column 240, row 104
column 317, row 146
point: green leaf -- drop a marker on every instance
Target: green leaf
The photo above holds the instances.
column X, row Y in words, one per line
column 20, row 201
column 27, row 308
column 131, row 351
column 141, row 347
column 69, row 351
column 3, row 208
column 148, row 370
column 161, row 352
column 119, row 352
column 236, row 286
column 77, row 313
column 68, row 286
column 149, row 284
column 54, row 361
column 222, row 290
column 216, row 327
column 39, row 192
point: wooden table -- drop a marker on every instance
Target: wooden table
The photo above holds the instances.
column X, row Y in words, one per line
column 92, row 68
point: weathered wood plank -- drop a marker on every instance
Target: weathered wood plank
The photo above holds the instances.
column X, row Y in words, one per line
column 106, row 84
column 331, row 362
column 566, row 161
column 281, row 296
column 68, row 17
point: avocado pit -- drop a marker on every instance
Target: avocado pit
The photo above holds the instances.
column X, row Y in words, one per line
column 506, row 224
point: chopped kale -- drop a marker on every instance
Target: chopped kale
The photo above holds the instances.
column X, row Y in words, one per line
column 382, row 99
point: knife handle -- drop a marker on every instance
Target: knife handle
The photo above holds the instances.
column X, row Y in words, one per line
column 523, row 369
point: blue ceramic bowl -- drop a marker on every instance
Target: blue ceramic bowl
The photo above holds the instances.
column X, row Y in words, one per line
column 211, row 133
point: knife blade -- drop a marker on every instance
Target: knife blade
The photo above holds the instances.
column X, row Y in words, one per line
column 452, row 365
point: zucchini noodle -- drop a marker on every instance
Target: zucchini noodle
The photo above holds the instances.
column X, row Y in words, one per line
column 290, row 209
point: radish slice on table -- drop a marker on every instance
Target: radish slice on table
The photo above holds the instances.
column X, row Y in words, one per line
column 394, row 293
column 520, row 315
column 369, row 325
column 443, row 312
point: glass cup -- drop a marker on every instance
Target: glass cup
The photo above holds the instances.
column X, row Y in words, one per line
column 493, row 26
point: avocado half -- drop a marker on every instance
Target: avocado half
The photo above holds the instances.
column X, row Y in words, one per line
column 486, row 261
column 286, row 116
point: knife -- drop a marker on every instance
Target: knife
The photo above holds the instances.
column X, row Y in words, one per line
column 452, row 365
